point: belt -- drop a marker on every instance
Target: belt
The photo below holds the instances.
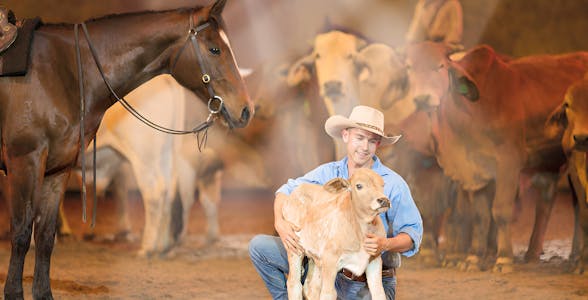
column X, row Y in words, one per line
column 391, row 272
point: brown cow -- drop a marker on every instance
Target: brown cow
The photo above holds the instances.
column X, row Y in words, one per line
column 333, row 221
column 487, row 127
column 570, row 120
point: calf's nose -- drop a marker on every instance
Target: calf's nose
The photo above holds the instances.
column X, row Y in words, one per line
column 581, row 139
column 384, row 202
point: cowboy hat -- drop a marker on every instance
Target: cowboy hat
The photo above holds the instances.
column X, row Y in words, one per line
column 362, row 117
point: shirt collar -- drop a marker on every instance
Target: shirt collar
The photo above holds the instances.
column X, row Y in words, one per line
column 377, row 166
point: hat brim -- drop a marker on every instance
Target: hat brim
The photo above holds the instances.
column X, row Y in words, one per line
column 335, row 124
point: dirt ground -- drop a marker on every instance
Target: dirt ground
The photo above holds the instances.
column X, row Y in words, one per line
column 104, row 270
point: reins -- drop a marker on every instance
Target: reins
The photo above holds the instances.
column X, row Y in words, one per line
column 215, row 104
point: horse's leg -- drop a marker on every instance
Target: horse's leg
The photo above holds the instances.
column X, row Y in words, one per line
column 186, row 185
column 46, row 211
column 25, row 175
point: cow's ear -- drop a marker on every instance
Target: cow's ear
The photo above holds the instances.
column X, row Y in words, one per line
column 463, row 85
column 557, row 121
column 336, row 185
column 301, row 70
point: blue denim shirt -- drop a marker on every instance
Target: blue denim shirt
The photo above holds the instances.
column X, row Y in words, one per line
column 403, row 215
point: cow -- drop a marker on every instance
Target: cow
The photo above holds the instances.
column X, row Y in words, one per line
column 335, row 64
column 570, row 121
column 333, row 220
column 487, row 115
column 438, row 21
column 383, row 82
column 161, row 166
column 286, row 115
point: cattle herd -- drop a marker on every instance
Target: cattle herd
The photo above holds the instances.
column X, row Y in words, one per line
column 472, row 123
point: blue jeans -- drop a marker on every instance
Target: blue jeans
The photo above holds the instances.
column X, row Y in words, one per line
column 271, row 262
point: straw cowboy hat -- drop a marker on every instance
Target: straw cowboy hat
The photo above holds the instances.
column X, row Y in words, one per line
column 363, row 117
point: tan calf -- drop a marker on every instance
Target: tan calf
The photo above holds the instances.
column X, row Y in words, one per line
column 333, row 220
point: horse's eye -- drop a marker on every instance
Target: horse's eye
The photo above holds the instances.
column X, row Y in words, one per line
column 359, row 186
column 215, row 51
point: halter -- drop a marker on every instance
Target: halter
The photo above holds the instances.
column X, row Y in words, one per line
column 215, row 103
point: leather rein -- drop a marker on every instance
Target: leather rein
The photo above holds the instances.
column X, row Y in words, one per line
column 215, row 103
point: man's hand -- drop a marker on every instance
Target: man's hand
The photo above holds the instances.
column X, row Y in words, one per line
column 374, row 245
column 288, row 235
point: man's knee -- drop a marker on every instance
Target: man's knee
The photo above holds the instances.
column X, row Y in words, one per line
column 258, row 245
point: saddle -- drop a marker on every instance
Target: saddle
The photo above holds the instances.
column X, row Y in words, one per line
column 7, row 29
column 15, row 41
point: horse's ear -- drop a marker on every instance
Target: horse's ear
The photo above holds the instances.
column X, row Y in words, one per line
column 218, row 7
column 336, row 185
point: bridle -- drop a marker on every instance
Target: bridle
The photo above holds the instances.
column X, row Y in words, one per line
column 215, row 102
column 191, row 39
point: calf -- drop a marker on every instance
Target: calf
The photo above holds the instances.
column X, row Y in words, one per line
column 333, row 220
column 570, row 121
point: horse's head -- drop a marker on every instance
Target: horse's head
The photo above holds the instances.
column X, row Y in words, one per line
column 205, row 64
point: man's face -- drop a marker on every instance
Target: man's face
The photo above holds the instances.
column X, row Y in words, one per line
column 361, row 146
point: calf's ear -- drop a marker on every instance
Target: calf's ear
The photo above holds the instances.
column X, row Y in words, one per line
column 336, row 185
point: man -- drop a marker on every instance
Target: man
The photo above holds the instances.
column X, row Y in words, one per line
column 362, row 134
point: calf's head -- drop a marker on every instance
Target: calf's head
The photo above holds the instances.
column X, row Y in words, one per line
column 367, row 193
column 570, row 119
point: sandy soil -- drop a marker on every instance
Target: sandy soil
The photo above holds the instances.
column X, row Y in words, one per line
column 92, row 270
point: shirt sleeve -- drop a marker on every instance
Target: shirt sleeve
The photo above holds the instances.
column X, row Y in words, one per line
column 404, row 216
column 317, row 176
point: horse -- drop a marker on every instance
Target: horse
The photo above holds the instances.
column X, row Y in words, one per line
column 40, row 112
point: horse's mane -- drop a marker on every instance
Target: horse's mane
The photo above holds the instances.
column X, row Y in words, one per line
column 129, row 14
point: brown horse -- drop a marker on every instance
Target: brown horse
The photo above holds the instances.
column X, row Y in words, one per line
column 40, row 119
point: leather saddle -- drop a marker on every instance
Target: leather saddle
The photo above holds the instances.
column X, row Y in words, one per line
column 8, row 30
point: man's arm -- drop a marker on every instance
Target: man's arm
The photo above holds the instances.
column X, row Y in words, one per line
column 375, row 245
column 283, row 227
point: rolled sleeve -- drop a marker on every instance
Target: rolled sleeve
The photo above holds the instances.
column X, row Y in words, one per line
column 405, row 216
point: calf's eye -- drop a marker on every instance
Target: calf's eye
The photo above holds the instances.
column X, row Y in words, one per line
column 359, row 186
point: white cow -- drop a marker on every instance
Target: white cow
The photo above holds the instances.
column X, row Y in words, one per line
column 335, row 64
column 163, row 166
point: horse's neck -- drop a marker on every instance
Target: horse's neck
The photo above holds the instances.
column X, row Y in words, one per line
column 132, row 49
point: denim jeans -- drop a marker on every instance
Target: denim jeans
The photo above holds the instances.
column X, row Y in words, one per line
column 271, row 262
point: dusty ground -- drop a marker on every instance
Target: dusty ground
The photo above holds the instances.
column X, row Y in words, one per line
column 85, row 270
